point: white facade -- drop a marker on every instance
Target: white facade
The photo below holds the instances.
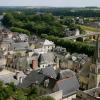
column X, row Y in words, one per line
column 77, row 32
column 3, row 62
column 48, row 45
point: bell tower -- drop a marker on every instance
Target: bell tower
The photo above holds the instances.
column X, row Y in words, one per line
column 94, row 77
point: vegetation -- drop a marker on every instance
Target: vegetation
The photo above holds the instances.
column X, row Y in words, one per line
column 20, row 30
column 71, row 46
column 83, row 12
column 34, row 23
column 46, row 23
column 10, row 92
column 46, row 98
column 88, row 28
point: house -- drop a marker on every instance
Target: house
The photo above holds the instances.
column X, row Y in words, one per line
column 67, row 73
column 3, row 62
column 47, row 78
column 5, row 43
column 4, row 46
column 17, row 63
column 20, row 46
column 46, row 59
column 10, row 35
column 23, row 37
column 91, row 94
column 69, row 86
column 48, row 45
column 60, row 50
column 49, row 71
column 45, row 45
column 40, row 51
column 34, row 78
column 32, row 45
column 8, row 76
column 72, row 33
column 8, row 40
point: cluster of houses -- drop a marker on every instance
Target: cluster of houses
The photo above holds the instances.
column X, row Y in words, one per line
column 32, row 61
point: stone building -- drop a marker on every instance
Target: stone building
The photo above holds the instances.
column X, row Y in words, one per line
column 90, row 75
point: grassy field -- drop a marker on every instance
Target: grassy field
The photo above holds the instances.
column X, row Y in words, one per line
column 89, row 28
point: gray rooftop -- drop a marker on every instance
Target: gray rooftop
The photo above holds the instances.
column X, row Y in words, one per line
column 33, row 77
column 66, row 73
column 49, row 71
column 68, row 86
column 20, row 46
column 8, row 78
column 46, row 58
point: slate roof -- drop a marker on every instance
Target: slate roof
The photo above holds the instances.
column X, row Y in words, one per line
column 93, row 91
column 49, row 71
column 46, row 58
column 20, row 46
column 8, row 78
column 40, row 76
column 8, row 40
column 33, row 77
column 68, row 86
column 66, row 74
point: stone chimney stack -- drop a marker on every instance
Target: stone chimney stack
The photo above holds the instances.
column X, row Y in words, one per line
column 56, row 60
column 46, row 83
column 20, row 79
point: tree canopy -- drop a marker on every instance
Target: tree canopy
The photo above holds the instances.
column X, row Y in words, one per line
column 10, row 92
column 72, row 46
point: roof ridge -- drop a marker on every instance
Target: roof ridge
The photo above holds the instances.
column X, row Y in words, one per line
column 65, row 79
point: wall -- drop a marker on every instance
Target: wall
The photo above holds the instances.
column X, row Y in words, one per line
column 70, row 97
column 83, row 96
column 57, row 95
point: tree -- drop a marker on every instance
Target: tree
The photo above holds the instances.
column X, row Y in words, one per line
column 19, row 95
column 79, row 47
column 47, row 98
column 20, row 30
column 8, row 20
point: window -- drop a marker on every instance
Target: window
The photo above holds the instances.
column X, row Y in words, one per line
column 98, row 71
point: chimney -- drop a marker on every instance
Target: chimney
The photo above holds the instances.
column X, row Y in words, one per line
column 16, row 76
column 46, row 83
column 34, row 64
column 20, row 80
column 56, row 60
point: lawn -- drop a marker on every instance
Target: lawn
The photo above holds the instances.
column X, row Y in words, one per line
column 89, row 28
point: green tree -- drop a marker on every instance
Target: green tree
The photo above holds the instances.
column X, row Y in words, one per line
column 8, row 20
column 47, row 98
column 20, row 30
